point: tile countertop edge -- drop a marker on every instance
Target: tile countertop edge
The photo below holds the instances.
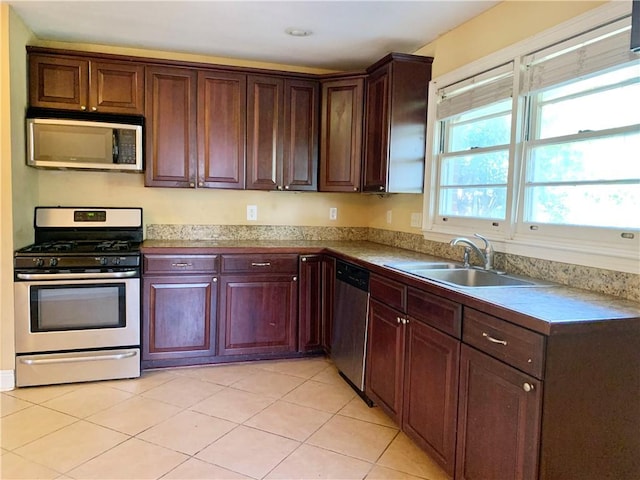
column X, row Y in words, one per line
column 550, row 310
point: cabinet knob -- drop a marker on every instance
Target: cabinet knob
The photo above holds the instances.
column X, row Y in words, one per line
column 304, row 259
column 214, row 279
column 83, row 107
column 295, row 279
column 286, row 187
column 355, row 189
column 201, row 184
column 399, row 319
column 192, row 185
column 94, row 109
column 381, row 188
column 527, row 387
column 279, row 187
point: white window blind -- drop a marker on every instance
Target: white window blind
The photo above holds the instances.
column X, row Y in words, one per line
column 579, row 57
column 480, row 90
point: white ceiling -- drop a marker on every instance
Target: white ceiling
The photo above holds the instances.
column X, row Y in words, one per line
column 346, row 35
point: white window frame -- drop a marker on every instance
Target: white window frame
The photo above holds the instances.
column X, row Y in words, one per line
column 544, row 243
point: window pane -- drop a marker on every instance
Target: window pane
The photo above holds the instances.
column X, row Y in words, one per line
column 484, row 132
column 489, row 168
column 597, row 111
column 503, row 106
column 473, row 202
column 608, row 158
column 586, row 205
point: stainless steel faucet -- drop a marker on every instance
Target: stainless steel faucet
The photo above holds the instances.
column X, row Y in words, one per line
column 485, row 254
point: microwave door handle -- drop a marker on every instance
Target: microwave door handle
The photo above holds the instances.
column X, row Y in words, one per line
column 115, row 146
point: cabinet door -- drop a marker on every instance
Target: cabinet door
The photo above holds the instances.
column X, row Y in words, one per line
column 58, row 82
column 328, row 285
column 430, row 408
column 385, row 359
column 341, row 135
column 310, row 304
column 178, row 318
column 116, row 88
column 499, row 420
column 265, row 121
column 376, row 149
column 300, row 156
column 170, row 107
column 222, row 105
column 258, row 314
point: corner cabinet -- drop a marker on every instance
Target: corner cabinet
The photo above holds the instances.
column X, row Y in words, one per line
column 396, row 124
column 179, row 305
column 79, row 83
column 258, row 304
column 341, row 134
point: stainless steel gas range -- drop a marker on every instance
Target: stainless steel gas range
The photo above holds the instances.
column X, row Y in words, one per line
column 77, row 296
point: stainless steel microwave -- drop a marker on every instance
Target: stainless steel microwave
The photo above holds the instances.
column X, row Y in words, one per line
column 75, row 142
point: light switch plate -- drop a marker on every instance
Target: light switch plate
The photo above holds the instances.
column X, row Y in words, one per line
column 333, row 213
column 389, row 216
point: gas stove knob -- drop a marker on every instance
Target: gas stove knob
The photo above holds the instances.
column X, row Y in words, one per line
column 116, row 260
column 39, row 262
column 103, row 260
column 53, row 262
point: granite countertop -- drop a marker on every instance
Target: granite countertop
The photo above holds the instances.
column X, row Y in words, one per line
column 546, row 309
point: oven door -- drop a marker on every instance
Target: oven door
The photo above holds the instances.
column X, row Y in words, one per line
column 61, row 312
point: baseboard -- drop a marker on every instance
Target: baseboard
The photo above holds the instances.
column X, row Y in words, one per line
column 7, row 380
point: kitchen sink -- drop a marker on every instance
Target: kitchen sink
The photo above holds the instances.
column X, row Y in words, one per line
column 458, row 275
column 416, row 267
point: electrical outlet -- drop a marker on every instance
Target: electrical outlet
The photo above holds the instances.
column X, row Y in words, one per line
column 416, row 219
column 389, row 216
column 333, row 213
column 252, row 212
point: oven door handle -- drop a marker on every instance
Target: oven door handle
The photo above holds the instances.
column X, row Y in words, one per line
column 86, row 358
column 76, row 276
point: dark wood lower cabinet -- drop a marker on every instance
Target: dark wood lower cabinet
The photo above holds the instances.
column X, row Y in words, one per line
column 179, row 317
column 328, row 286
column 499, row 420
column 310, row 304
column 385, row 359
column 430, row 408
column 258, row 314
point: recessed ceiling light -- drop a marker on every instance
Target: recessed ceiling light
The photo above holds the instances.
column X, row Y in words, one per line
column 298, row 32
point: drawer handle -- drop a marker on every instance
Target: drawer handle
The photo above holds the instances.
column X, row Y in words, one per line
column 260, row 264
column 494, row 340
column 182, row 265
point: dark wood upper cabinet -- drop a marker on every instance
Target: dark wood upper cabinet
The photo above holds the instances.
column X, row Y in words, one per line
column 81, row 84
column 171, row 148
column 300, row 154
column 341, row 134
column 396, row 124
column 265, row 130
column 282, row 133
column 222, row 103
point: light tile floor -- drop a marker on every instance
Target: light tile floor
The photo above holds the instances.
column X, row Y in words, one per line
column 290, row 419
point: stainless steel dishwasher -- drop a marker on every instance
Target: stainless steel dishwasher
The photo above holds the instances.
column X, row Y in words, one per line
column 350, row 320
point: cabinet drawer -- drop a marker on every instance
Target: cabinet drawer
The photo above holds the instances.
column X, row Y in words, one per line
column 513, row 345
column 153, row 263
column 260, row 263
column 389, row 292
column 438, row 312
